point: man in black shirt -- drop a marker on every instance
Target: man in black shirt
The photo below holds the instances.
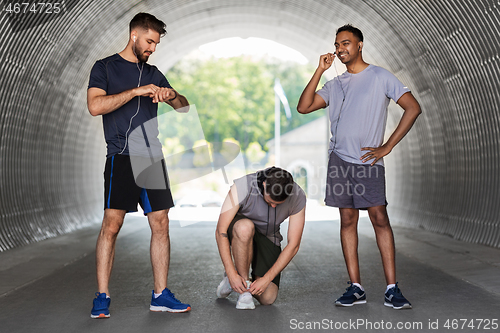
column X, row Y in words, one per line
column 125, row 90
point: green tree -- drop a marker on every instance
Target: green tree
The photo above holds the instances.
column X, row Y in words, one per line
column 234, row 98
column 294, row 78
column 254, row 152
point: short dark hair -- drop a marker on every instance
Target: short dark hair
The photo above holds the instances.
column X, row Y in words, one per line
column 279, row 183
column 355, row 31
column 147, row 21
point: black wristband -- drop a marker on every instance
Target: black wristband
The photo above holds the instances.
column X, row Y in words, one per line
column 174, row 96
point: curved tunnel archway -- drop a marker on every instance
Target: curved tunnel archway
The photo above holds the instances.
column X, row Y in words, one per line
column 443, row 176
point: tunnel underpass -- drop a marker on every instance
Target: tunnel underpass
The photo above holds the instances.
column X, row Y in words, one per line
column 443, row 176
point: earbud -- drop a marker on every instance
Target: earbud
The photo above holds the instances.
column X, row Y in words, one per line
column 134, row 39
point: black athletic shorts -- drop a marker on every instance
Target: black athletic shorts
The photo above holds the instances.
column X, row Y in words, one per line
column 122, row 192
column 265, row 252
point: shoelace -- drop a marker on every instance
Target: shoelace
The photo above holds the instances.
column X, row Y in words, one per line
column 349, row 290
column 397, row 291
column 245, row 297
column 171, row 294
column 100, row 301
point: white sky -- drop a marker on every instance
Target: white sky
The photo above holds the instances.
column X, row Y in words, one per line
column 236, row 46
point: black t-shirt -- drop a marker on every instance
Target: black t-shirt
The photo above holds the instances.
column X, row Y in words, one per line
column 115, row 75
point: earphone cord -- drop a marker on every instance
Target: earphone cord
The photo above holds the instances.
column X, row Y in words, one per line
column 274, row 235
column 268, row 222
column 138, row 102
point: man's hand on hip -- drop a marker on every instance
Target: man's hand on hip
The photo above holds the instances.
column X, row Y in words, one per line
column 375, row 153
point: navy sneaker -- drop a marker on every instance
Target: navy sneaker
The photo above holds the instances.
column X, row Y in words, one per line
column 167, row 302
column 353, row 295
column 394, row 298
column 101, row 306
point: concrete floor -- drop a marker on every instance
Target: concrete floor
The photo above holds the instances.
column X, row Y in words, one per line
column 49, row 286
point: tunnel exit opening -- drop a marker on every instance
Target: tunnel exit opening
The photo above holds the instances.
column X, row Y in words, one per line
column 230, row 82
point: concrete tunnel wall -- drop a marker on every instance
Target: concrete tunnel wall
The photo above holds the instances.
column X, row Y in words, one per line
column 443, row 176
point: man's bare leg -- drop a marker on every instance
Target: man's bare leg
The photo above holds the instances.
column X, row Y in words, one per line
column 159, row 248
column 105, row 248
column 385, row 241
column 160, row 262
column 349, row 239
column 242, row 246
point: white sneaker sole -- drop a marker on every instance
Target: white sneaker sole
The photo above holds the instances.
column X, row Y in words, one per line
column 355, row 302
column 166, row 309
column 245, row 306
column 102, row 315
column 406, row 306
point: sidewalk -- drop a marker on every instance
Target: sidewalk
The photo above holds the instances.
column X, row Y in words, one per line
column 49, row 286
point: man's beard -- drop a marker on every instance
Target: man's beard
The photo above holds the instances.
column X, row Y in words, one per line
column 141, row 56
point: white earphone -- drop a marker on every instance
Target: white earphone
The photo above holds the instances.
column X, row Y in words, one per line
column 138, row 98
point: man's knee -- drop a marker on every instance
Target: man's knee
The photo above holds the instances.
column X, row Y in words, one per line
column 112, row 223
column 348, row 218
column 270, row 295
column 378, row 217
column 244, row 230
column 159, row 222
column 269, row 301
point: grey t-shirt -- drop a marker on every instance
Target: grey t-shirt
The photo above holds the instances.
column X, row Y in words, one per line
column 266, row 219
column 363, row 117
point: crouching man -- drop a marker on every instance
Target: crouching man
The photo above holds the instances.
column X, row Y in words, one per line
column 249, row 229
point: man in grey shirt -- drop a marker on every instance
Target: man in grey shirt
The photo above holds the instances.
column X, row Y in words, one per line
column 358, row 101
column 249, row 227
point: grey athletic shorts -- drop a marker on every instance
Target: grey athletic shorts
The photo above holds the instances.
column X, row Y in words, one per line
column 351, row 185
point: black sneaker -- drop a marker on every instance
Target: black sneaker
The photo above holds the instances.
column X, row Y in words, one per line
column 353, row 295
column 394, row 298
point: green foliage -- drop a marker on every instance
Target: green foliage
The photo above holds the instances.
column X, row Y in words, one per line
column 234, row 98
column 173, row 148
column 294, row 78
column 254, row 152
column 202, row 156
column 228, row 151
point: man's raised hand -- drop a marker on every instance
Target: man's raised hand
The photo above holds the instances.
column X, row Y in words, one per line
column 326, row 60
